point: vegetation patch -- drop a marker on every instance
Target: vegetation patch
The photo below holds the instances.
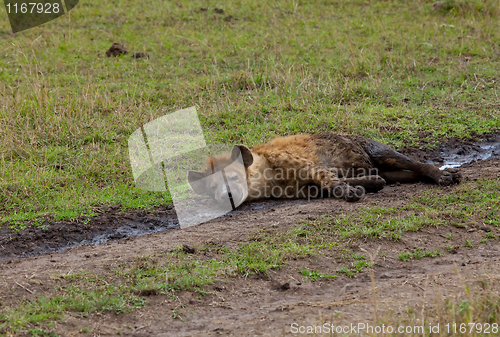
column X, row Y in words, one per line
column 403, row 73
column 473, row 202
column 314, row 275
column 418, row 254
column 356, row 267
column 475, row 313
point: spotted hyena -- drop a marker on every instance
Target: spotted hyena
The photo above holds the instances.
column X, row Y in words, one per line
column 309, row 166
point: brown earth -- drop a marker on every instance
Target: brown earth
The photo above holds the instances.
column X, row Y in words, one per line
column 264, row 305
column 110, row 225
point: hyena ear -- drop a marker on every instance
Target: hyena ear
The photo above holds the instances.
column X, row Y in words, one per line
column 194, row 180
column 246, row 154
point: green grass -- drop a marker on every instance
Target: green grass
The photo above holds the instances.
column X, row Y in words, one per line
column 70, row 299
column 417, row 254
column 405, row 256
column 473, row 201
column 490, row 236
column 468, row 244
column 395, row 71
column 456, row 316
column 355, row 268
column 120, row 291
column 314, row 275
column 41, row 333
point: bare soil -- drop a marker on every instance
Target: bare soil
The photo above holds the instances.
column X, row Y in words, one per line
column 258, row 305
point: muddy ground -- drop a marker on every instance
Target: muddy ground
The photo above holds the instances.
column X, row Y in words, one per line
column 258, row 304
column 112, row 225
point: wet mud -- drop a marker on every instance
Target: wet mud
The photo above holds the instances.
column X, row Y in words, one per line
column 456, row 152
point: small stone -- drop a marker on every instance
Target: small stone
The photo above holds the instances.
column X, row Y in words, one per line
column 285, row 286
column 139, row 55
column 188, row 249
column 116, row 49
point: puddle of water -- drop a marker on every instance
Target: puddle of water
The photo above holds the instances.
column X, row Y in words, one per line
column 132, row 230
column 135, row 229
column 467, row 154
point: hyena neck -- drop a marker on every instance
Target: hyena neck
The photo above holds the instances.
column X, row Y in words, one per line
column 258, row 186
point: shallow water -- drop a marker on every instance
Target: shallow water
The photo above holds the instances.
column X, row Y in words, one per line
column 469, row 153
column 134, row 229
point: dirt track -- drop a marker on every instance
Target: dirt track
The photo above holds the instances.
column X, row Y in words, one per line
column 256, row 305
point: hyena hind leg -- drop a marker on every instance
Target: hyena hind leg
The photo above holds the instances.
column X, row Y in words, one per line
column 371, row 184
column 400, row 176
column 333, row 186
column 387, row 160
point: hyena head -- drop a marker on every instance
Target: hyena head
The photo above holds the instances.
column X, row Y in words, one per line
column 225, row 176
